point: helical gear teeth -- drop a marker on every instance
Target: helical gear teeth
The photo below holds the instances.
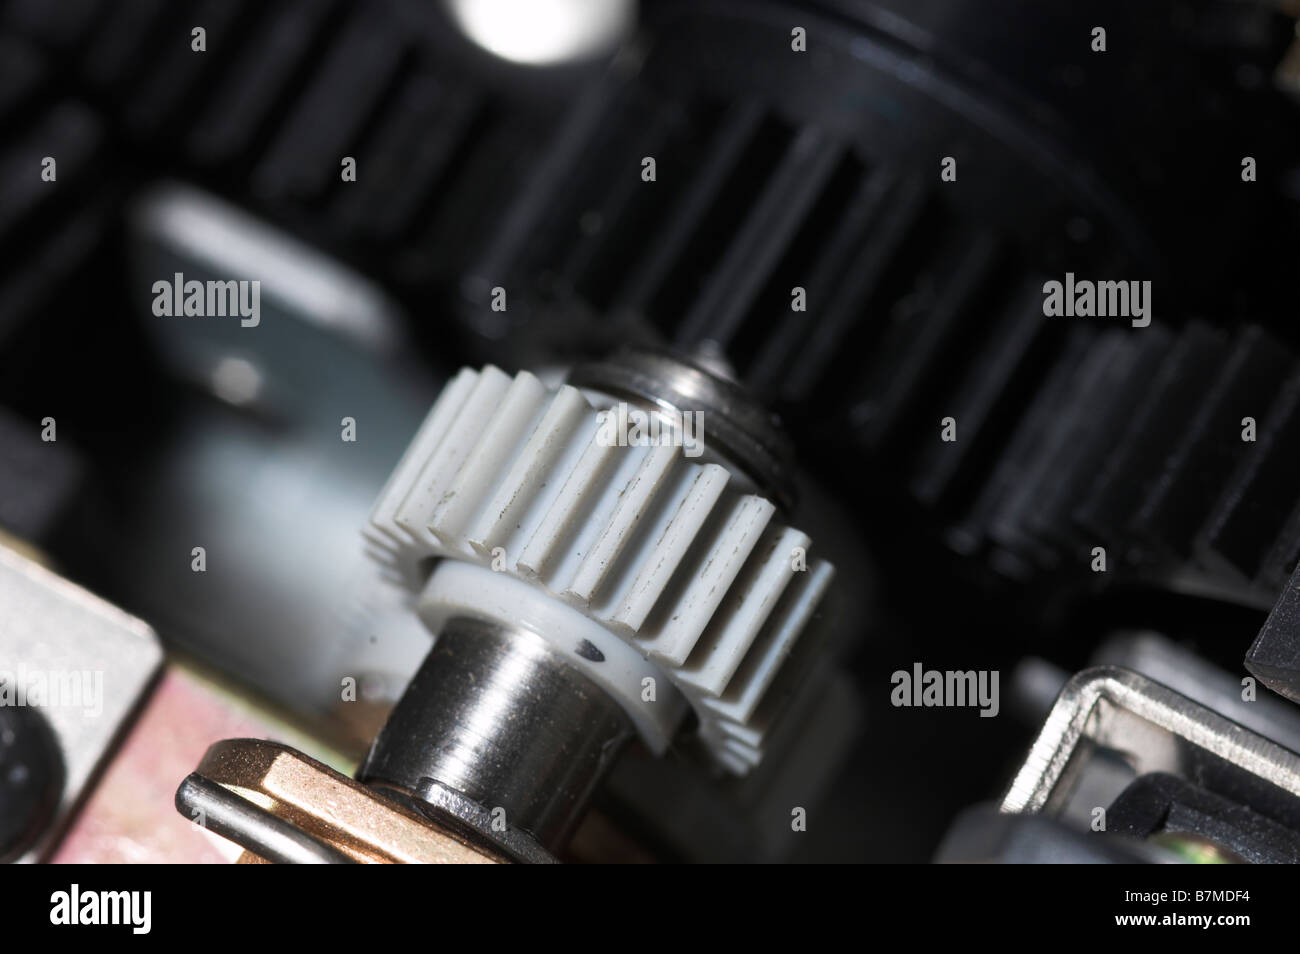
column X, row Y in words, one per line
column 667, row 553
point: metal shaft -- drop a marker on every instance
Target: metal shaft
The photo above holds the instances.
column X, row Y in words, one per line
column 498, row 732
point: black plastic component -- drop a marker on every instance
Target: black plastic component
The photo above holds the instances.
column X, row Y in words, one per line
column 31, row 777
column 1161, row 804
column 1274, row 657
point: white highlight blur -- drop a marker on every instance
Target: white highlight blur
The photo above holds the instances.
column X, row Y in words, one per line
column 545, row 32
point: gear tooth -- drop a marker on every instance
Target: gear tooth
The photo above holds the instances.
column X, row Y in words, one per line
column 634, row 502
column 1202, row 464
column 735, row 757
column 396, row 577
column 657, row 568
column 446, row 457
column 673, row 643
column 379, row 546
column 732, row 764
column 531, row 471
column 745, row 743
column 742, row 616
column 1258, row 499
column 742, row 733
column 490, row 458
column 380, row 553
column 383, row 516
column 755, row 676
column 555, row 542
column 541, row 554
column 750, row 754
column 753, row 738
column 603, row 499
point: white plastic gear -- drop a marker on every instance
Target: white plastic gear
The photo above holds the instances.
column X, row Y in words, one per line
column 668, row 554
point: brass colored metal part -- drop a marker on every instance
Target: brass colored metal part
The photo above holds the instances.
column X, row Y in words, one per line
column 356, row 820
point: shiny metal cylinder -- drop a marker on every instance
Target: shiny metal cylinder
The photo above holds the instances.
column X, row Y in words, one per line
column 498, row 732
